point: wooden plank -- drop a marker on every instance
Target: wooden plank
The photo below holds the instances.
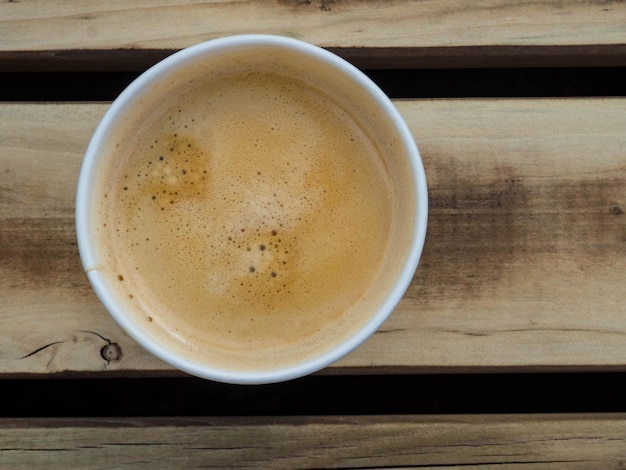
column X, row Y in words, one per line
column 449, row 33
column 523, row 266
column 473, row 441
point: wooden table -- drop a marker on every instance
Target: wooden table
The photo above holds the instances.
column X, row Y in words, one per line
column 522, row 273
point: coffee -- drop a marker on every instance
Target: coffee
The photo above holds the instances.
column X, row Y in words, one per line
column 245, row 219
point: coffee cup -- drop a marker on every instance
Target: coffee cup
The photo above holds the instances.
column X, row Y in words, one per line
column 251, row 209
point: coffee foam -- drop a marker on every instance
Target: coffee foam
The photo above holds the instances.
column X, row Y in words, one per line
column 253, row 213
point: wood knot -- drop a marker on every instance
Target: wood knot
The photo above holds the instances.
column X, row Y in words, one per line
column 111, row 352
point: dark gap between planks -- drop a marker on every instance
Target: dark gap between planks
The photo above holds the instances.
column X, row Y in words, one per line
column 413, row 83
column 317, row 395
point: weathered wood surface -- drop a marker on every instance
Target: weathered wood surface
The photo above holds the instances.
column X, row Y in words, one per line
column 134, row 33
column 523, row 266
column 471, row 441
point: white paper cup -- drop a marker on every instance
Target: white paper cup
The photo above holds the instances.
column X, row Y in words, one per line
column 349, row 82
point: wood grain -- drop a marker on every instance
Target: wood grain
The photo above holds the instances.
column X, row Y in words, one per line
column 473, row 441
column 133, row 34
column 523, row 266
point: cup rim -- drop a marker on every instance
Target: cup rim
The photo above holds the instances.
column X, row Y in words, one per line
column 125, row 100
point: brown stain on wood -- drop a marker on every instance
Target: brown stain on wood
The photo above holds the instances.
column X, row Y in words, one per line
column 327, row 6
column 305, row 5
column 477, row 231
column 41, row 253
column 472, row 233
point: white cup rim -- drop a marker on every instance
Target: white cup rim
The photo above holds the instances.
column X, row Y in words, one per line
column 87, row 248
